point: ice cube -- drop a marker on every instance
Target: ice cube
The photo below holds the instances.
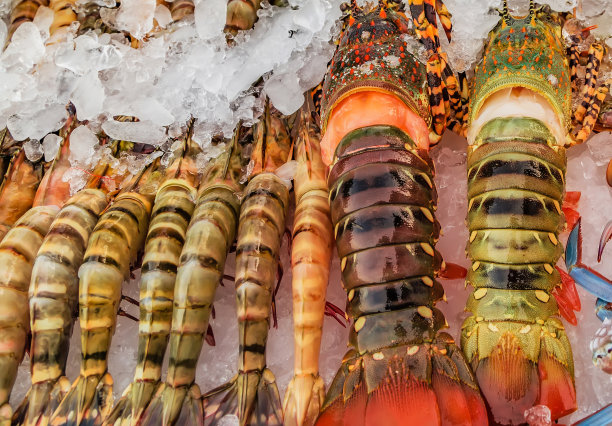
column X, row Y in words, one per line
column 82, row 143
column 285, row 92
column 162, row 15
column 43, row 20
column 600, row 146
column 141, row 131
column 25, row 49
column 88, row 96
column 210, row 18
column 51, row 145
column 33, row 150
column 136, row 17
column 538, row 416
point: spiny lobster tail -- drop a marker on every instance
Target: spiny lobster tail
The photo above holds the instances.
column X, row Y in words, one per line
column 400, row 370
column 516, row 344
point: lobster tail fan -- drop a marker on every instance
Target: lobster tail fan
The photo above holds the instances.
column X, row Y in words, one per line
column 393, row 387
column 261, row 404
column 88, row 402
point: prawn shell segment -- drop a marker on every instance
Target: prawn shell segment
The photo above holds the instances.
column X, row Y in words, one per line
column 374, row 55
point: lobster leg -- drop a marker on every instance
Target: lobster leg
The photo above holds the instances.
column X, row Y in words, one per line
column 596, row 52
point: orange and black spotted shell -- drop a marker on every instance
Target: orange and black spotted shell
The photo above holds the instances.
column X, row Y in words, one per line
column 374, row 55
column 526, row 52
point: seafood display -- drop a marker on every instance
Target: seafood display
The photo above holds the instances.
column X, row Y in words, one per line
column 520, row 123
column 153, row 153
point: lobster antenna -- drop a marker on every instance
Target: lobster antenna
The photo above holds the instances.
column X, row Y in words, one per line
column 503, row 12
column 531, row 8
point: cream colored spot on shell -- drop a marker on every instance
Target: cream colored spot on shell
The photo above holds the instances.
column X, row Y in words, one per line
column 378, row 356
column 351, row 294
column 475, row 265
column 427, row 214
column 427, row 281
column 343, row 264
column 408, row 147
column 539, row 321
column 427, row 180
column 471, row 203
column 542, row 296
column 473, row 236
column 493, row 328
column 478, row 319
column 553, row 238
column 425, row 312
column 526, row 329
column 480, row 293
column 359, row 323
column 537, row 237
column 336, row 230
column 557, row 206
column 548, row 268
column 412, row 350
column 443, row 351
column 427, row 248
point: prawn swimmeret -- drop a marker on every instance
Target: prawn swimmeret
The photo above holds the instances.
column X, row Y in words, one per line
column 377, row 117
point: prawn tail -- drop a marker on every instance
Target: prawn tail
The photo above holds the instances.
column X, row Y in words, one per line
column 252, row 396
column 41, row 401
column 88, row 401
column 130, row 408
column 175, row 405
column 303, row 400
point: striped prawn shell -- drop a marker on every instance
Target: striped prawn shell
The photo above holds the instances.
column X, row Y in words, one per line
column 174, row 205
column 261, row 226
column 54, row 286
column 210, row 234
column 17, row 253
column 113, row 245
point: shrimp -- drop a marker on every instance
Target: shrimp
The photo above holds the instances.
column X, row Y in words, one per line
column 53, row 295
column 208, row 240
column 17, row 252
column 174, row 205
column 113, row 244
column 18, row 190
column 378, row 123
column 310, row 263
column 252, row 394
column 8, row 148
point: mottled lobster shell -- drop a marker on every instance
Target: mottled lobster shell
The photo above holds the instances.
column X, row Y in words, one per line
column 374, row 54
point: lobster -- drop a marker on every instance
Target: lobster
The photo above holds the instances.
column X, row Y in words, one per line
column 382, row 107
column 519, row 123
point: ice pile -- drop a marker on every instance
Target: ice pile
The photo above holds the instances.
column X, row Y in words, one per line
column 187, row 70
